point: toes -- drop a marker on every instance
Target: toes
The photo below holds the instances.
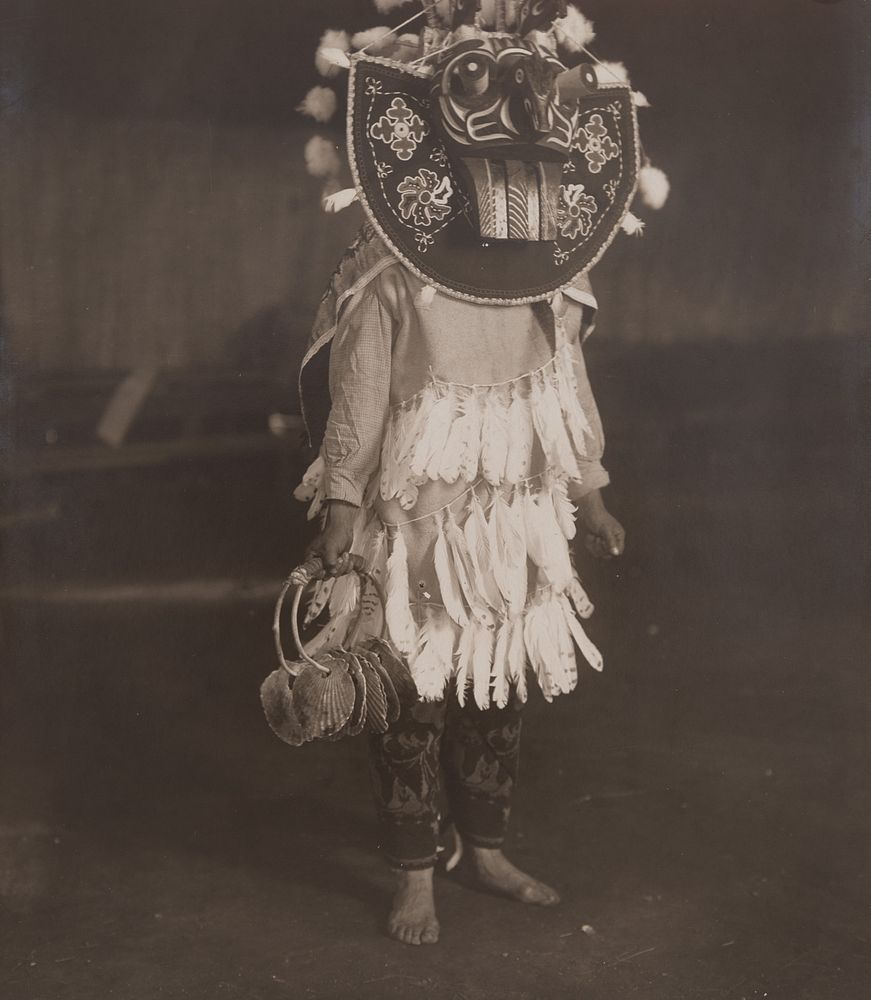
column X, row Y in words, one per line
column 430, row 934
column 540, row 894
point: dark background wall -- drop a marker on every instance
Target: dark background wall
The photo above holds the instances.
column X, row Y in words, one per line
column 153, row 206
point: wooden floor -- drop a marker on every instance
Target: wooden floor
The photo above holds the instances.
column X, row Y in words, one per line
column 702, row 805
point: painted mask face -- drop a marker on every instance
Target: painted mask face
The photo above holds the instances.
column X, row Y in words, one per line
column 495, row 104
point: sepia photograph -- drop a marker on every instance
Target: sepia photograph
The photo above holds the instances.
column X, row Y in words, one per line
column 435, row 442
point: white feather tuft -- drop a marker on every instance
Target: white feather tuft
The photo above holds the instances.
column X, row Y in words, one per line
column 449, row 583
column 609, row 73
column 426, row 296
column 478, row 546
column 400, row 622
column 430, row 448
column 471, row 455
column 331, row 635
column 563, row 507
column 570, row 402
column 373, row 39
column 482, row 661
column 583, row 604
column 588, row 650
column 320, row 595
column 550, row 427
column 407, row 47
column 517, row 659
column 331, row 58
column 465, row 570
column 508, row 551
column 653, row 186
column 640, row 100
column 519, row 438
column 500, row 670
column 464, row 662
column 541, row 647
column 632, row 225
column 494, row 438
column 312, row 481
column 345, row 594
column 557, row 565
column 322, row 158
column 431, row 668
column 339, row 201
column 385, row 6
column 574, row 31
column 319, row 103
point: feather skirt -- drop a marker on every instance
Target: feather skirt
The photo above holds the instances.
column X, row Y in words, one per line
column 480, row 592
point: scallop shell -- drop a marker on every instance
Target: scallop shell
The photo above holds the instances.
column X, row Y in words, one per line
column 324, row 702
column 358, row 715
column 276, row 697
column 389, row 689
column 376, row 699
column 397, row 670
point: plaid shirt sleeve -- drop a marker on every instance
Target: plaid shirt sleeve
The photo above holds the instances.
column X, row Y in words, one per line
column 593, row 472
column 360, row 394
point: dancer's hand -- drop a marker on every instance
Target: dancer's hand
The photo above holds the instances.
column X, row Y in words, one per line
column 334, row 542
column 604, row 535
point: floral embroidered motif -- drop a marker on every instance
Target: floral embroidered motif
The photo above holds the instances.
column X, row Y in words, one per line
column 610, row 189
column 575, row 212
column 373, row 86
column 424, row 241
column 400, row 128
column 425, row 199
column 560, row 256
column 383, row 169
column 595, row 143
column 439, row 156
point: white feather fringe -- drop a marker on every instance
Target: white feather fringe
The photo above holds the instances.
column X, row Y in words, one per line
column 400, row 621
column 339, row 201
column 432, row 666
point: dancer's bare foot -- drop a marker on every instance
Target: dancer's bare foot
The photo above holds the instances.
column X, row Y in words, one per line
column 496, row 872
column 413, row 918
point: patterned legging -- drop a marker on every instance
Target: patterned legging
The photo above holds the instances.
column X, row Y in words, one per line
column 478, row 753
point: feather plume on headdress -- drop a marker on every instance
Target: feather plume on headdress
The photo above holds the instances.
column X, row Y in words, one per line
column 373, row 39
column 322, row 158
column 632, row 225
column 609, row 73
column 319, row 103
column 574, row 32
column 385, row 6
column 333, row 46
column 653, row 186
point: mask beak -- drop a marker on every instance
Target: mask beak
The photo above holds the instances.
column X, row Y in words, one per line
column 514, row 199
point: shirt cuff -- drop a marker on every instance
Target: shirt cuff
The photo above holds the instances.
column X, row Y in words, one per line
column 594, row 477
column 341, row 485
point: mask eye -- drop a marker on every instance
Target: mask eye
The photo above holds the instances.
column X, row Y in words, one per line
column 471, row 76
